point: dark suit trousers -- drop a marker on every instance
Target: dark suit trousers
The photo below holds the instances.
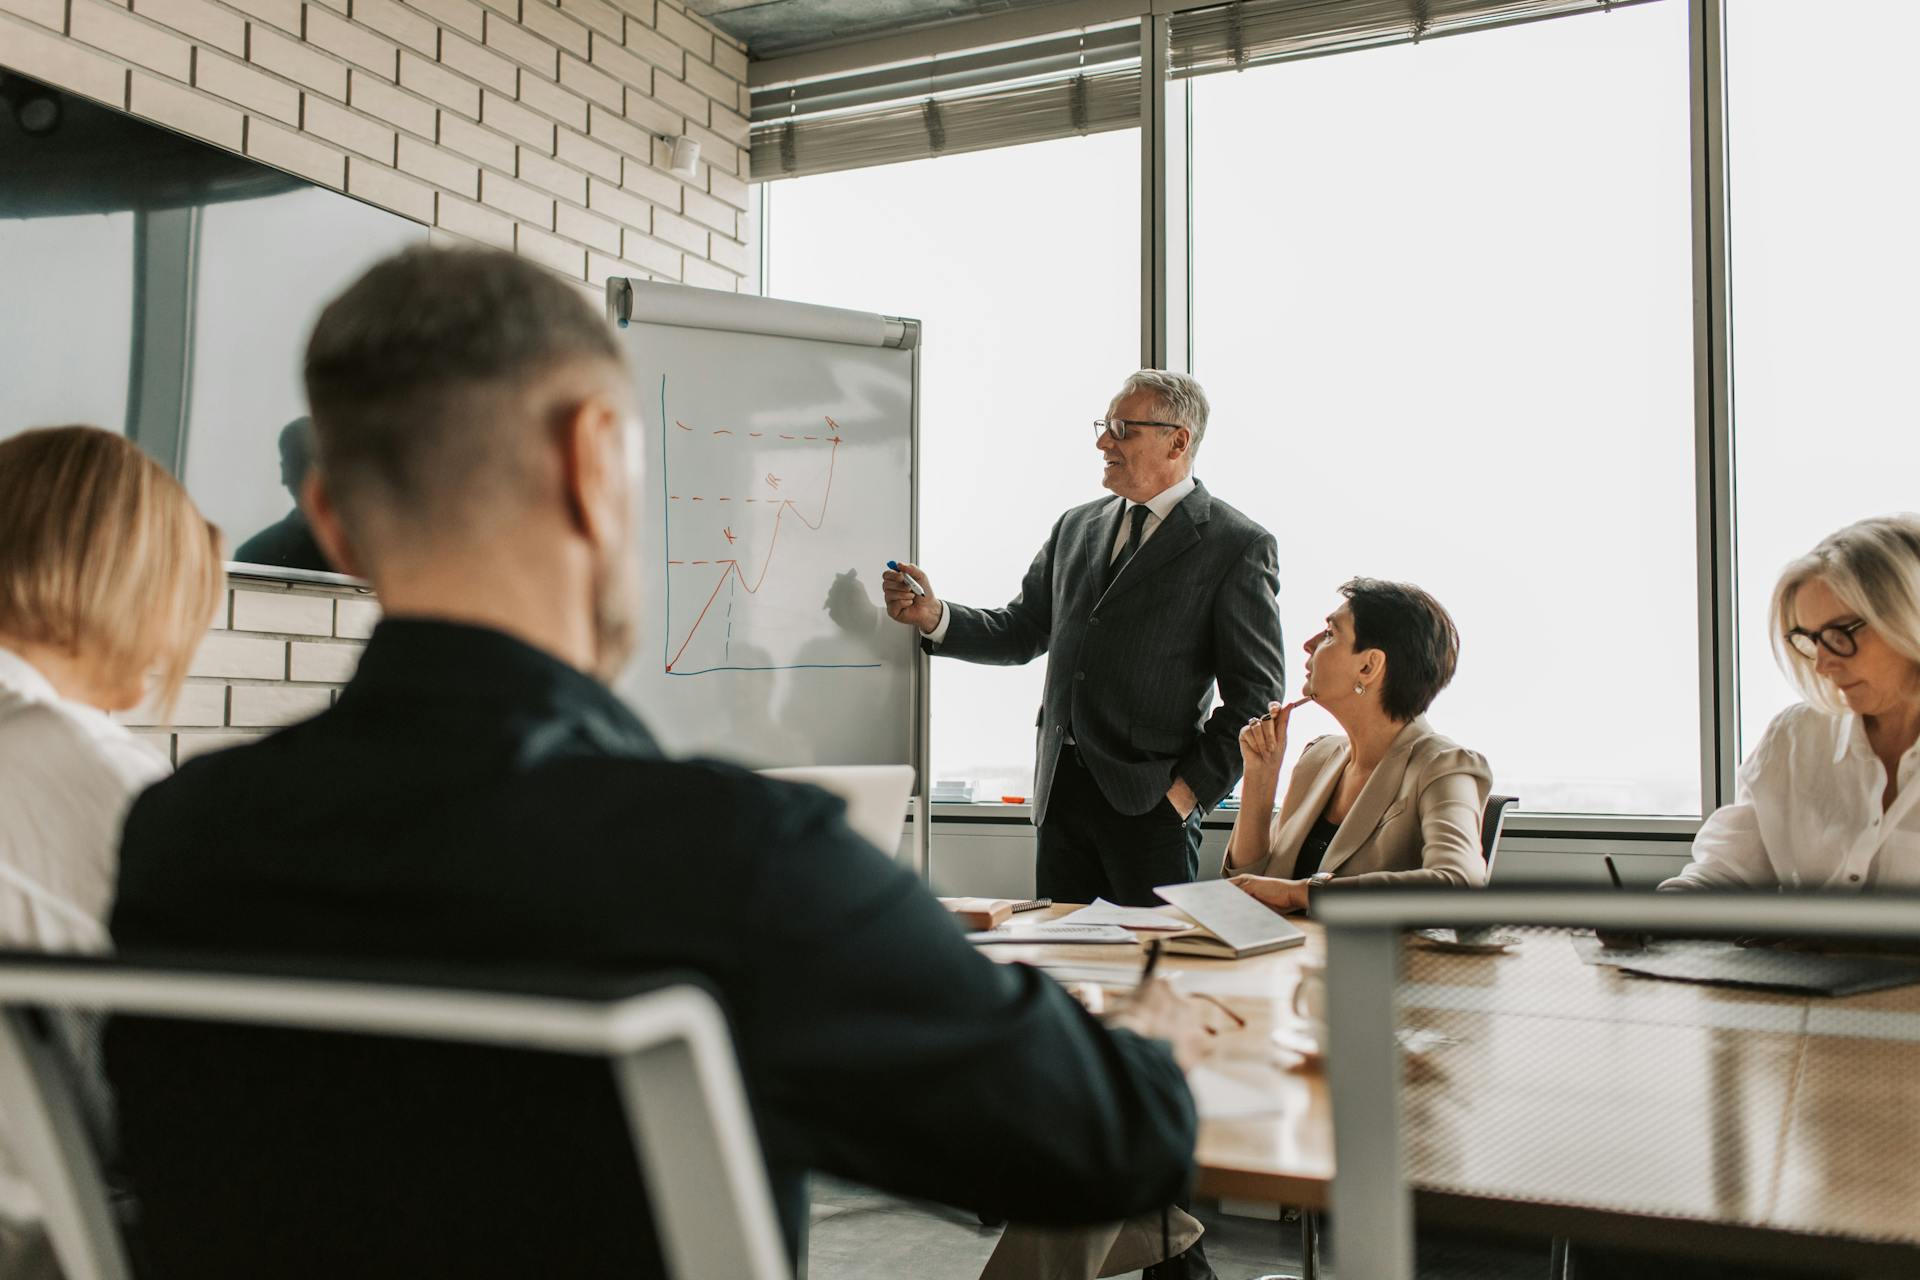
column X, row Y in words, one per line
column 1089, row 850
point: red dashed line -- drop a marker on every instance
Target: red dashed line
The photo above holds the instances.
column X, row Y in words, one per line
column 683, row 426
column 721, row 431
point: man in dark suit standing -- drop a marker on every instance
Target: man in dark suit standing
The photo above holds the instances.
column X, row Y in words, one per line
column 1144, row 602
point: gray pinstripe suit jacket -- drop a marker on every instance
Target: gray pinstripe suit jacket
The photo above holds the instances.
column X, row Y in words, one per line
column 1133, row 663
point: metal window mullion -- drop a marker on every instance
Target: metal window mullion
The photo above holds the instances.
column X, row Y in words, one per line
column 1713, row 408
column 1372, row 1203
column 1153, row 190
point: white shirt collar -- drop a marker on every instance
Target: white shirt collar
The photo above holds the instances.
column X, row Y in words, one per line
column 1850, row 738
column 1163, row 502
column 1849, row 731
column 22, row 678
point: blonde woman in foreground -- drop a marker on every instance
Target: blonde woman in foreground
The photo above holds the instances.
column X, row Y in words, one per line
column 1829, row 798
column 107, row 574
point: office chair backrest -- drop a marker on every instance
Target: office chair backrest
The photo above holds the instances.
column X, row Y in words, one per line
column 307, row 1127
column 1492, row 821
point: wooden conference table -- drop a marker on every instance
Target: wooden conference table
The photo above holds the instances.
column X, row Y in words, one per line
column 1553, row 1097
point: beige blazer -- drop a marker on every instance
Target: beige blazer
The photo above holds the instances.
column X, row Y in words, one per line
column 1416, row 822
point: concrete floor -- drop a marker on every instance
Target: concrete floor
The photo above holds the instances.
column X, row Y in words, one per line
column 862, row 1234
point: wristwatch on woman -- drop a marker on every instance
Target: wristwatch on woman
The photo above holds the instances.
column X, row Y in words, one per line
column 1314, row 881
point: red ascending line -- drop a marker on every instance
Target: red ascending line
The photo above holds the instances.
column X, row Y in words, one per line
column 733, row 566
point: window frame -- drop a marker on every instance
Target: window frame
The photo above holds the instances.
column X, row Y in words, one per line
column 1166, row 341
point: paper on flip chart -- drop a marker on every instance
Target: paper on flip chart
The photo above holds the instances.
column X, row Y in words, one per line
column 1218, row 1096
column 1107, row 913
column 1054, row 932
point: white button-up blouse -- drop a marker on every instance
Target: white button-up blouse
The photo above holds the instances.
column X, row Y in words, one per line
column 1807, row 813
column 68, row 774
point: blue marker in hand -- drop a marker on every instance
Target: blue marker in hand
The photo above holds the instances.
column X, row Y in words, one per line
column 912, row 586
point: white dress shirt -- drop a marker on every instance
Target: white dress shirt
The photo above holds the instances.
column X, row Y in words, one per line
column 68, row 773
column 1159, row 506
column 1806, row 813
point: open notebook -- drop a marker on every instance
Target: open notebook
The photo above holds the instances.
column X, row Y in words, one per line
column 1232, row 923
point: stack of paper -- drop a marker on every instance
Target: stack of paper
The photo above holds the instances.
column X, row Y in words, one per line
column 952, row 791
column 1057, row 932
column 1143, row 918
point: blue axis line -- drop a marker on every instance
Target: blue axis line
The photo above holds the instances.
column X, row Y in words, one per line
column 791, row 666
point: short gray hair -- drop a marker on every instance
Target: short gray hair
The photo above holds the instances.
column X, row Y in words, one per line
column 1874, row 567
column 1180, row 399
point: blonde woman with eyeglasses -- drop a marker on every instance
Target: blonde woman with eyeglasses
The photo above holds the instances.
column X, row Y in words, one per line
column 1830, row 797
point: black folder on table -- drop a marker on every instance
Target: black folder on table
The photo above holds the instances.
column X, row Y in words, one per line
column 1729, row 964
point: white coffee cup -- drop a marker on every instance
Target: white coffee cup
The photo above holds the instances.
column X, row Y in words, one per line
column 1310, row 1003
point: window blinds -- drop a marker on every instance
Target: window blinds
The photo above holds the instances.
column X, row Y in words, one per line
column 1247, row 33
column 1081, row 82
column 1086, row 82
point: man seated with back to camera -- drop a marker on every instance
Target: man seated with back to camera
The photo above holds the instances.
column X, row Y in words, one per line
column 479, row 797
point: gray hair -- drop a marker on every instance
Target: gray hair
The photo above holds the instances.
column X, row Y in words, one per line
column 1180, row 399
column 1874, row 567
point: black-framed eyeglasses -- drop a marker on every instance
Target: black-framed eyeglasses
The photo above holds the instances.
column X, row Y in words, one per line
column 1119, row 427
column 1837, row 640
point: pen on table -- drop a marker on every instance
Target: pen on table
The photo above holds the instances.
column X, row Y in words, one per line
column 906, row 577
column 1153, row 962
column 1613, row 938
column 1238, row 1021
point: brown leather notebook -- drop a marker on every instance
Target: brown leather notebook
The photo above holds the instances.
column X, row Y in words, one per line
column 981, row 913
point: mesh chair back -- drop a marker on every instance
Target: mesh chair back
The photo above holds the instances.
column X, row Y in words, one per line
column 1492, row 822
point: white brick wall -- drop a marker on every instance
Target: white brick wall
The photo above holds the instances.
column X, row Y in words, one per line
column 284, row 657
column 521, row 123
column 485, row 122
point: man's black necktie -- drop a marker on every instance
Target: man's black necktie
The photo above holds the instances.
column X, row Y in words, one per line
column 1138, row 524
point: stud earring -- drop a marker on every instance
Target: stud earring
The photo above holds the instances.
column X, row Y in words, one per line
column 1358, row 687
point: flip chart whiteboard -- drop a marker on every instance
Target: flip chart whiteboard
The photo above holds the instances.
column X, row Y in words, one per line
column 778, row 478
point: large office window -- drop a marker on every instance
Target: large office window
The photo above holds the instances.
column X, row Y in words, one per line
column 1024, row 264
column 1442, row 305
column 1824, row 184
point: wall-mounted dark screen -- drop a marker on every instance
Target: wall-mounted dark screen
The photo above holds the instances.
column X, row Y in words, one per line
column 165, row 288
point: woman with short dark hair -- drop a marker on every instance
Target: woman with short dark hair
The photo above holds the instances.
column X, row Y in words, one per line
column 1388, row 801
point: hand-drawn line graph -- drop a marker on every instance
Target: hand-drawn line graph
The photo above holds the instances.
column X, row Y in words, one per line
column 733, row 578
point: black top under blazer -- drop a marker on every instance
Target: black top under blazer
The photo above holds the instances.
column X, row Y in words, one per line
column 1132, row 665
